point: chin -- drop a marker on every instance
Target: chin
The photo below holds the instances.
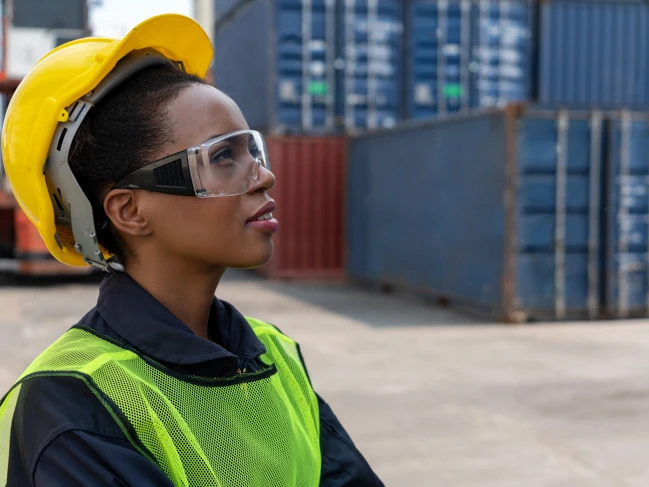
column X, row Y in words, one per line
column 255, row 259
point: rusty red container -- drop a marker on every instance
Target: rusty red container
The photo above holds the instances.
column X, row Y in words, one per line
column 309, row 192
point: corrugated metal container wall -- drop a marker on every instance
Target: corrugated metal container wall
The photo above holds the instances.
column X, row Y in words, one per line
column 309, row 193
column 372, row 44
column 463, row 54
column 508, row 224
column 594, row 54
column 627, row 292
column 223, row 7
column 412, row 223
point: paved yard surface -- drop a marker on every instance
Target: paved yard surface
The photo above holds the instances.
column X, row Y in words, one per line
column 433, row 398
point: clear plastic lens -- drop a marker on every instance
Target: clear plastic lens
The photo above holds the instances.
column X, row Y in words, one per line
column 228, row 165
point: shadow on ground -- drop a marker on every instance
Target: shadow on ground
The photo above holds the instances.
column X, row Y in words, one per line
column 370, row 306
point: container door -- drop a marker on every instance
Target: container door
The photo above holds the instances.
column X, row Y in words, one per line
column 558, row 215
column 305, row 65
column 501, row 52
column 372, row 49
column 438, row 56
column 627, row 290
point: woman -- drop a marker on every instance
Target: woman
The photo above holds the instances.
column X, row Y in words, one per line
column 154, row 176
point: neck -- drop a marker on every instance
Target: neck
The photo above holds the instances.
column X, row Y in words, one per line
column 188, row 293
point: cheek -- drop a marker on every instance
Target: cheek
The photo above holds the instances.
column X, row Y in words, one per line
column 199, row 222
column 214, row 231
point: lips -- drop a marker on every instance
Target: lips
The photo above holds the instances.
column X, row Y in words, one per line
column 267, row 208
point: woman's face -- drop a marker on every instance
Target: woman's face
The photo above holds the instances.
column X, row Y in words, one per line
column 215, row 232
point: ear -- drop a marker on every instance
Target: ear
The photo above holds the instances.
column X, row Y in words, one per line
column 121, row 207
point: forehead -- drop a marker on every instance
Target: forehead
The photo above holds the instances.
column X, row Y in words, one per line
column 201, row 112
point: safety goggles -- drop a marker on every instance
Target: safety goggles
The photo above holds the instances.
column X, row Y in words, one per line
column 227, row 165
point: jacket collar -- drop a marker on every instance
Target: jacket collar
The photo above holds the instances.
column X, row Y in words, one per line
column 151, row 328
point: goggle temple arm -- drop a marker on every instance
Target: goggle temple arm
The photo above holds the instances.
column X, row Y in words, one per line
column 170, row 175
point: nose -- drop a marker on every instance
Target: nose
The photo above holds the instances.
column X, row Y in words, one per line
column 265, row 180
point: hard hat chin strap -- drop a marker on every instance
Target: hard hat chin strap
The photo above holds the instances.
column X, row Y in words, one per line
column 72, row 208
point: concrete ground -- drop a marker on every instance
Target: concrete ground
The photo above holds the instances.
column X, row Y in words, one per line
column 431, row 397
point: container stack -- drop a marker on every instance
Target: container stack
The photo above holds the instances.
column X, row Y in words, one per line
column 498, row 150
column 330, row 66
column 496, row 210
column 312, row 66
column 527, row 212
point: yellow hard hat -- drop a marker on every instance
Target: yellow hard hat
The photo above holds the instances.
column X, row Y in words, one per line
column 51, row 102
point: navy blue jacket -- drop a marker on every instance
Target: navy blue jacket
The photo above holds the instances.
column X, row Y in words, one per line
column 62, row 436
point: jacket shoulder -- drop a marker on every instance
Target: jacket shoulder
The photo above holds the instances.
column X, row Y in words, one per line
column 48, row 407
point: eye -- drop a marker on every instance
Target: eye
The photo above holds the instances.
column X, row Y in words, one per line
column 254, row 151
column 222, row 156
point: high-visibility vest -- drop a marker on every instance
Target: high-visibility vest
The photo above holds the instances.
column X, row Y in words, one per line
column 254, row 429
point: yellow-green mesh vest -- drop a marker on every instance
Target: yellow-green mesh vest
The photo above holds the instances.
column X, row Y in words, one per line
column 257, row 429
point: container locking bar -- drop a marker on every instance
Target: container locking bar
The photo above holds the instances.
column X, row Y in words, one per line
column 560, row 217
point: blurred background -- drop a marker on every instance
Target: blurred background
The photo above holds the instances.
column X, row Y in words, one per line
column 444, row 168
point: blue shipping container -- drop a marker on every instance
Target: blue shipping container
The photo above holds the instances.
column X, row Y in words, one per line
column 463, row 54
column 371, row 41
column 496, row 210
column 303, row 66
column 223, row 7
column 627, row 291
column 594, row 53
column 275, row 59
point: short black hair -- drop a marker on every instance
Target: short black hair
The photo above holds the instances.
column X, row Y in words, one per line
column 122, row 133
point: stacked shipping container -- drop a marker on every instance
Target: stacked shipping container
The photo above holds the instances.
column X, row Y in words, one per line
column 594, row 55
column 464, row 54
column 330, row 64
column 572, row 54
column 223, row 7
column 370, row 51
column 312, row 66
column 555, row 218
